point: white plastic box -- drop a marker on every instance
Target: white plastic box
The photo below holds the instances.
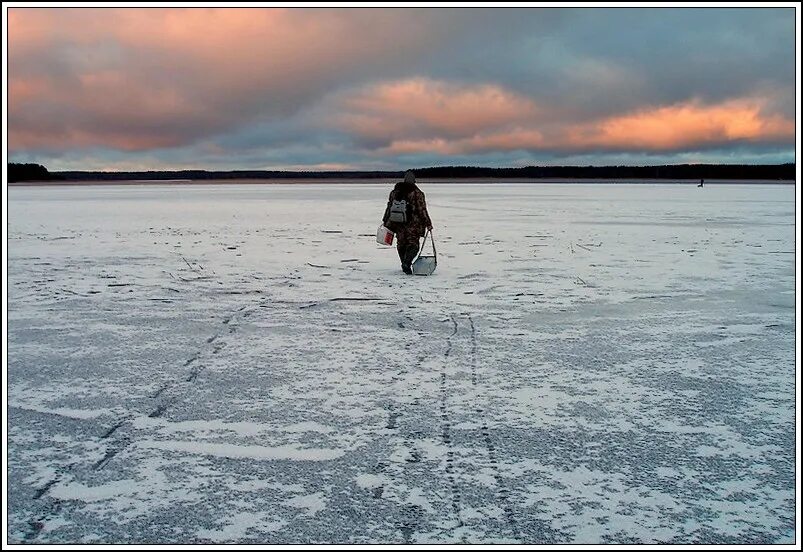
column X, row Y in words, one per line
column 384, row 236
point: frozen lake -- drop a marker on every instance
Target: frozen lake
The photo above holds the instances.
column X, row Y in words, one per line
column 243, row 363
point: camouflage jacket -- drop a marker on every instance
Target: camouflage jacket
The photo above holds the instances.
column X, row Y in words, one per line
column 417, row 226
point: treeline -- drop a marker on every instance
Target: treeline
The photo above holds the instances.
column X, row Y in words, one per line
column 28, row 172
column 671, row 172
column 18, row 172
column 224, row 175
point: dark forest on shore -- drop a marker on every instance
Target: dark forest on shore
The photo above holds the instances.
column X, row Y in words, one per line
column 31, row 172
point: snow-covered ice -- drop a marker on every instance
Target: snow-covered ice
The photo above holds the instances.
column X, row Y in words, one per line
column 243, row 363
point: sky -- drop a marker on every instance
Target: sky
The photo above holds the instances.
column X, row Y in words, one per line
column 389, row 89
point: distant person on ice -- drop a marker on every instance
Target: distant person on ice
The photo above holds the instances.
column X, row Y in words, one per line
column 406, row 216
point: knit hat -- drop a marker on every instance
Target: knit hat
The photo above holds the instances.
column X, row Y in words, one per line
column 409, row 177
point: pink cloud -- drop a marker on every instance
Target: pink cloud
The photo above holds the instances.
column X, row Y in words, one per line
column 508, row 140
column 82, row 77
column 433, row 106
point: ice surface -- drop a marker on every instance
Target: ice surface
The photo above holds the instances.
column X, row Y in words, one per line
column 243, row 363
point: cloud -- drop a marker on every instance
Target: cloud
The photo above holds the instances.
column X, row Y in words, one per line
column 420, row 106
column 422, row 115
column 141, row 79
column 273, row 87
column 685, row 126
column 603, row 60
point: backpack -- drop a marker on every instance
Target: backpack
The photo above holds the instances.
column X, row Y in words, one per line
column 399, row 211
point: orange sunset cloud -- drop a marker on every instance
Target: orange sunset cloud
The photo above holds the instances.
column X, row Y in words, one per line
column 682, row 126
column 432, row 106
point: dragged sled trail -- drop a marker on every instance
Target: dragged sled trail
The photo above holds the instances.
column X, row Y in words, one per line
column 226, row 363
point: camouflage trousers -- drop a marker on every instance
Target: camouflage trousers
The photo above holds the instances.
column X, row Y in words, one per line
column 408, row 250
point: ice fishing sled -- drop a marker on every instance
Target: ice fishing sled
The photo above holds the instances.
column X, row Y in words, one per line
column 424, row 265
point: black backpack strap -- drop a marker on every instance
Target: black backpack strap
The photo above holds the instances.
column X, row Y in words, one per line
column 387, row 213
